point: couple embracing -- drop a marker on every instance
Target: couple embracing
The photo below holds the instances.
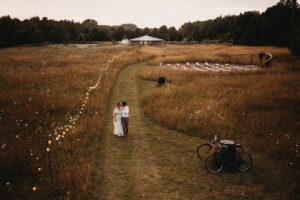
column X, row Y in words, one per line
column 121, row 119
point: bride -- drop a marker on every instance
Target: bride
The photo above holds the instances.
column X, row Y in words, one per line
column 118, row 129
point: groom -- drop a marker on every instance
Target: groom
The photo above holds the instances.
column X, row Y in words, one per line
column 125, row 117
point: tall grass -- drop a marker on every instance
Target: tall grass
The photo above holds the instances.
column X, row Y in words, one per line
column 215, row 53
column 41, row 88
column 258, row 109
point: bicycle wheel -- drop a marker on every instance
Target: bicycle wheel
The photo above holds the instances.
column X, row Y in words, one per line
column 214, row 163
column 204, row 150
column 243, row 161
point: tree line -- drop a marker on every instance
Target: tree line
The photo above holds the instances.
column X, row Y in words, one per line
column 279, row 25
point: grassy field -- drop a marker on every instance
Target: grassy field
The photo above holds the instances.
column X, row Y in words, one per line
column 42, row 89
column 153, row 162
column 258, row 109
column 218, row 53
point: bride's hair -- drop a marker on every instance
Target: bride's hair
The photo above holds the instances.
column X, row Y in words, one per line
column 118, row 104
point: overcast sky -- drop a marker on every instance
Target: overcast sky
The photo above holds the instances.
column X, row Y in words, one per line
column 144, row 13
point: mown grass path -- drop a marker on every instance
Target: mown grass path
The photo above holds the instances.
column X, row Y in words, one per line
column 152, row 162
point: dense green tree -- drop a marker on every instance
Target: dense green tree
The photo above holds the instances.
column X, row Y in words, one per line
column 90, row 23
column 278, row 25
column 172, row 34
column 119, row 33
column 154, row 32
column 186, row 30
column 163, row 32
column 146, row 31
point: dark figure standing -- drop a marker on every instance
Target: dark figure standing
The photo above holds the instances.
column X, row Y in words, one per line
column 161, row 81
column 125, row 117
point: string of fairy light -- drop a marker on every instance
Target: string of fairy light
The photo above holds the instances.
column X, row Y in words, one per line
column 60, row 129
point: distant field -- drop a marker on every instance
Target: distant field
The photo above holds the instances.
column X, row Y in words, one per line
column 43, row 88
column 215, row 53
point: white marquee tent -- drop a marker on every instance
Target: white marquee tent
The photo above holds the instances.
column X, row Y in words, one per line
column 124, row 42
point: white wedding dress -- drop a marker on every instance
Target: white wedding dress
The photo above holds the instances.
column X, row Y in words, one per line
column 118, row 128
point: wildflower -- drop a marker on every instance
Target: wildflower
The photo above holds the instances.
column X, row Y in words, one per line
column 291, row 163
column 47, row 149
column 37, row 158
column 49, row 141
column 271, row 134
column 31, row 154
column 3, row 146
column 34, row 188
column 17, row 136
column 7, row 183
column 39, row 169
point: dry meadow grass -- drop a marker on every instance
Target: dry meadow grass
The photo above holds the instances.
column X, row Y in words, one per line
column 41, row 88
column 258, row 109
column 215, row 53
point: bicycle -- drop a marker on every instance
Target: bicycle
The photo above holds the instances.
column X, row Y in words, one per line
column 217, row 154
